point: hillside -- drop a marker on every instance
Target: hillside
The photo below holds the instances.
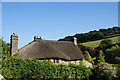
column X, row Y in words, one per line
column 96, row 43
column 94, row 35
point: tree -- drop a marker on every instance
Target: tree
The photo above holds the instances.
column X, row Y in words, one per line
column 102, row 30
column 105, row 43
column 100, row 57
column 5, row 49
column 113, row 55
column 94, row 35
column 88, row 57
column 105, row 71
column 83, row 48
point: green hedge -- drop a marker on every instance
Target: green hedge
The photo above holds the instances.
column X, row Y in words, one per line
column 27, row 69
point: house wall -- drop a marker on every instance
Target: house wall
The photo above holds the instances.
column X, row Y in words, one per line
column 87, row 64
column 65, row 62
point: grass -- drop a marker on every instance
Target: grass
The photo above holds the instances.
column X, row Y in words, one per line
column 94, row 44
column 116, row 65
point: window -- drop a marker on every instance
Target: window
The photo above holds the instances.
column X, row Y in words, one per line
column 56, row 61
column 48, row 59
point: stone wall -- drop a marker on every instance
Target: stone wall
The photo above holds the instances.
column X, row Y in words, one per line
column 65, row 62
column 77, row 62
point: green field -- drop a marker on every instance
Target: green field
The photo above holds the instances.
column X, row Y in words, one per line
column 94, row 44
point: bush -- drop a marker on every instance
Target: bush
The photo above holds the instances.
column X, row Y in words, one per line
column 88, row 57
column 27, row 69
column 100, row 57
column 83, row 48
column 113, row 55
column 105, row 43
column 105, row 71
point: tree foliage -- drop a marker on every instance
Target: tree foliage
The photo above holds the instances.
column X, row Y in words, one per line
column 100, row 57
column 5, row 47
column 105, row 43
column 113, row 55
column 105, row 71
column 94, row 35
column 88, row 57
column 83, row 48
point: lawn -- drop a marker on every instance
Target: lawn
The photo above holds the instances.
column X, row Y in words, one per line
column 94, row 44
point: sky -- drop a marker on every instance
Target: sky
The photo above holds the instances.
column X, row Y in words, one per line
column 0, row 19
column 119, row 13
column 55, row 20
column 59, row 0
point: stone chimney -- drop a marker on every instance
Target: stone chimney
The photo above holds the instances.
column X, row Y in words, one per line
column 37, row 38
column 75, row 41
column 13, row 44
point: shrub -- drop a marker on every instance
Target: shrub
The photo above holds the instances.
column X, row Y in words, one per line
column 105, row 71
column 88, row 57
column 100, row 57
column 83, row 48
column 113, row 55
column 105, row 43
column 28, row 69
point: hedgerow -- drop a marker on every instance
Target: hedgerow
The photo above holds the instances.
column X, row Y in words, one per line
column 27, row 69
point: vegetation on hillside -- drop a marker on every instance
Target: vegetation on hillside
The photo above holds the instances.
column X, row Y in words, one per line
column 100, row 57
column 88, row 57
column 94, row 35
column 105, row 71
column 112, row 55
column 106, row 59
column 94, row 44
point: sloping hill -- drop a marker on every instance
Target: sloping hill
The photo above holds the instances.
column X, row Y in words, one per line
column 94, row 44
column 94, row 35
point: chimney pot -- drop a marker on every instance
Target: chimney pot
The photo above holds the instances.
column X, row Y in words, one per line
column 37, row 38
column 75, row 41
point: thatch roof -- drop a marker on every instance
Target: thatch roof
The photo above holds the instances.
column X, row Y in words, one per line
column 40, row 49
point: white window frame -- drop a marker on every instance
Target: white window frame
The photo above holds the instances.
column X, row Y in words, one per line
column 56, row 61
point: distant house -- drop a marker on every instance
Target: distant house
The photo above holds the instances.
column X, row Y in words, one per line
column 58, row 52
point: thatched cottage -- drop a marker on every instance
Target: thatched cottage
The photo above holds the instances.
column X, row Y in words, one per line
column 58, row 52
